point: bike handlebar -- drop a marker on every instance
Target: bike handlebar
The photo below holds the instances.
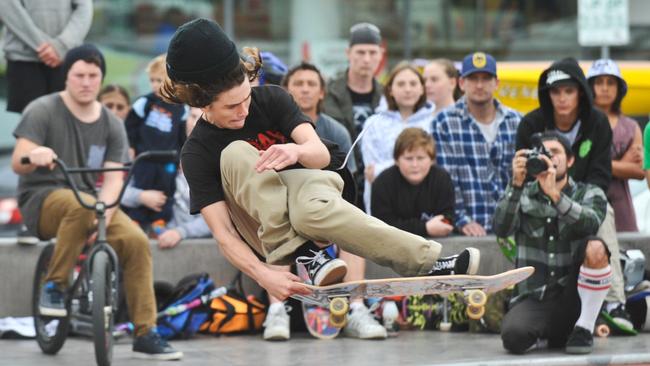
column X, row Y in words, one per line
column 153, row 155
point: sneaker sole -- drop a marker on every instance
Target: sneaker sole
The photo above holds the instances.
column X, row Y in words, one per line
column 27, row 241
column 355, row 334
column 331, row 273
column 159, row 356
column 58, row 313
column 277, row 337
column 578, row 350
column 474, row 260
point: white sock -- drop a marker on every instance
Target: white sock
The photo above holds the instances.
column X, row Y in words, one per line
column 356, row 305
column 276, row 306
column 593, row 285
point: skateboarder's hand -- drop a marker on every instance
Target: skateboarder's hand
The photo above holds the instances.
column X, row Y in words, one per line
column 473, row 229
column 519, row 168
column 282, row 284
column 436, row 226
column 277, row 157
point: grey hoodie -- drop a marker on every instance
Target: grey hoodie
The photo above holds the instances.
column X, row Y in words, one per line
column 29, row 23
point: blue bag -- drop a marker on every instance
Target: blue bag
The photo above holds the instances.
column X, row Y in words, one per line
column 187, row 323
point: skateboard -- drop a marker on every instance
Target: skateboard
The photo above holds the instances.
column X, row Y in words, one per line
column 317, row 318
column 336, row 297
column 606, row 326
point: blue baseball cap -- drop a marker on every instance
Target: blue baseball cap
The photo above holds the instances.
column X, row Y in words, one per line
column 478, row 62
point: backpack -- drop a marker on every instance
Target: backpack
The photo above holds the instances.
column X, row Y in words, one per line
column 185, row 324
column 235, row 312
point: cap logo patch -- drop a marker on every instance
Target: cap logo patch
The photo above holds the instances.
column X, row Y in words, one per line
column 556, row 75
column 479, row 60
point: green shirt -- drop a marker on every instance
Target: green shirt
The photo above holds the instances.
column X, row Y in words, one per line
column 548, row 234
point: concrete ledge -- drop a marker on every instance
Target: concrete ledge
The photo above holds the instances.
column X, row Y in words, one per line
column 18, row 262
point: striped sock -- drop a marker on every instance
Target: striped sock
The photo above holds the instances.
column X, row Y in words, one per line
column 593, row 285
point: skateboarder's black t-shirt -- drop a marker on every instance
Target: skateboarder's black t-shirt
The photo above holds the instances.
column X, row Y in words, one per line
column 272, row 117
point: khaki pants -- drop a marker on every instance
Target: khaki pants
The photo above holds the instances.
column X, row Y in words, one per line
column 607, row 232
column 62, row 217
column 276, row 212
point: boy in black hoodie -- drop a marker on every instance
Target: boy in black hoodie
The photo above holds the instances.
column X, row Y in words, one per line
column 566, row 106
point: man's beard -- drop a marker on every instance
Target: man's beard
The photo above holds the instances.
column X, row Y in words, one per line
column 561, row 177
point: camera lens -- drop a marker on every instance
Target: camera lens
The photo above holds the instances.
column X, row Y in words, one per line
column 535, row 165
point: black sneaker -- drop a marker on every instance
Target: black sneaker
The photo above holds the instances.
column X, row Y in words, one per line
column 621, row 318
column 152, row 346
column 580, row 341
column 323, row 270
column 23, row 236
column 51, row 301
column 464, row 263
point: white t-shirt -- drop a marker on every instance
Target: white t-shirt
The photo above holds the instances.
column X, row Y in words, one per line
column 490, row 130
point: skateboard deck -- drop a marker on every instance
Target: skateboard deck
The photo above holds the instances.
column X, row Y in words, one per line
column 317, row 318
column 442, row 285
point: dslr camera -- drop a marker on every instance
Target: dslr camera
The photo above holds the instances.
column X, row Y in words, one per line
column 534, row 163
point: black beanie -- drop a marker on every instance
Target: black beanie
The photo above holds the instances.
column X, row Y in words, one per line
column 200, row 52
column 86, row 52
column 364, row 33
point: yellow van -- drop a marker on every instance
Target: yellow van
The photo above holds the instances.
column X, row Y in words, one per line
column 518, row 85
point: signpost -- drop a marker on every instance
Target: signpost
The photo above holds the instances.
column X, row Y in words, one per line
column 603, row 23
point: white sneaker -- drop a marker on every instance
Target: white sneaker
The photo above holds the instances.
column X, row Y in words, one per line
column 276, row 324
column 362, row 324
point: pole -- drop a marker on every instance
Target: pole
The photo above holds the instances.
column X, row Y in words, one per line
column 604, row 51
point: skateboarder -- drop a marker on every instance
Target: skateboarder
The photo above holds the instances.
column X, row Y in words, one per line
column 550, row 218
column 236, row 162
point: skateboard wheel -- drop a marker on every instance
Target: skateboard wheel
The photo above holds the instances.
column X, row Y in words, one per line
column 476, row 298
column 338, row 321
column 339, row 306
column 602, row 330
column 445, row 327
column 475, row 312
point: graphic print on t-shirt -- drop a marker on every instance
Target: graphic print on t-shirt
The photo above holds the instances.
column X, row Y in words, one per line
column 267, row 138
column 159, row 118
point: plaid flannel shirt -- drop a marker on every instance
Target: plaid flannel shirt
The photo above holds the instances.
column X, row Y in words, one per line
column 548, row 234
column 480, row 171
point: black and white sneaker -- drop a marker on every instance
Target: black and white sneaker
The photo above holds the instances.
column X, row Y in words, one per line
column 580, row 341
column 24, row 237
column 323, row 270
column 153, row 346
column 466, row 262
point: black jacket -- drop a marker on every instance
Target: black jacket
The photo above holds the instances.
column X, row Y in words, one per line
column 593, row 163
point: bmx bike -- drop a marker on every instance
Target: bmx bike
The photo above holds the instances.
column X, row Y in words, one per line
column 92, row 295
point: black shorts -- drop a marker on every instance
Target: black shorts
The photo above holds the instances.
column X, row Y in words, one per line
column 27, row 81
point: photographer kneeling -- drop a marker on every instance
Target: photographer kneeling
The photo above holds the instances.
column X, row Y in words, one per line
column 553, row 219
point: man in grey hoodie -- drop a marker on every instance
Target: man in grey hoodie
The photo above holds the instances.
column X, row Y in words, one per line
column 38, row 33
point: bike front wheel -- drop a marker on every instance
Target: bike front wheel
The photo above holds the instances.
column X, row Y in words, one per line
column 51, row 332
column 102, row 287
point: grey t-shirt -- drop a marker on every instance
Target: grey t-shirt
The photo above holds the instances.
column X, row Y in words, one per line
column 48, row 122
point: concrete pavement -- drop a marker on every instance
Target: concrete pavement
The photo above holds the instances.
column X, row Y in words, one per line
column 409, row 348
